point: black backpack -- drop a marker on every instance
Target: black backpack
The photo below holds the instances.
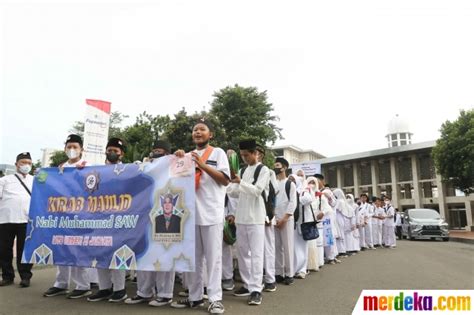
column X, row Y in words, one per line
column 271, row 200
column 296, row 214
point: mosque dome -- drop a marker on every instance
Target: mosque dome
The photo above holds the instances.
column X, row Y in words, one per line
column 398, row 125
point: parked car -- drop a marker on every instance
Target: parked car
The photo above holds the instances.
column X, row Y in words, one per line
column 424, row 224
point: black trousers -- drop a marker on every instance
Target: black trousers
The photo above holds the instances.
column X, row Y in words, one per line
column 399, row 232
column 8, row 232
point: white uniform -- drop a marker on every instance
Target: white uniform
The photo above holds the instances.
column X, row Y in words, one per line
column 389, row 227
column 301, row 246
column 269, row 247
column 250, row 221
column 210, row 201
column 368, row 228
column 328, row 201
column 379, row 212
column 82, row 277
column 284, row 237
column 361, row 221
column 227, row 256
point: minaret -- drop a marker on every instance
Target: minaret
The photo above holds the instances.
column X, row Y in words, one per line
column 398, row 132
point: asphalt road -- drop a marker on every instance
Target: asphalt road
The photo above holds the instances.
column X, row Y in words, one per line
column 333, row 290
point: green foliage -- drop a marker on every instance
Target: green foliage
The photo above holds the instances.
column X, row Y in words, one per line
column 454, row 152
column 243, row 113
column 57, row 158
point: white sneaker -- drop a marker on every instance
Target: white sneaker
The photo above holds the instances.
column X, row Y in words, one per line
column 216, row 308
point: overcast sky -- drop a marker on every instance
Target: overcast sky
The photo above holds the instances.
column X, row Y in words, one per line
column 336, row 71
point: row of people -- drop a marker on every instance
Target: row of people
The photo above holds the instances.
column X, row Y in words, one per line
column 268, row 211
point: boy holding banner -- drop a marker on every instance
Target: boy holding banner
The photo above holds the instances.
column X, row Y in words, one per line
column 80, row 275
column 212, row 177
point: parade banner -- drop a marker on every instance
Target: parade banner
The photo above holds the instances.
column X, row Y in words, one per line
column 124, row 216
column 310, row 168
column 96, row 131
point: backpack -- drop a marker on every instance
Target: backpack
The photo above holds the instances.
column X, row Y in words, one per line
column 296, row 214
column 271, row 200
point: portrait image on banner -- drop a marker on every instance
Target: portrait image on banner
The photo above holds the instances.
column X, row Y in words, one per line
column 123, row 216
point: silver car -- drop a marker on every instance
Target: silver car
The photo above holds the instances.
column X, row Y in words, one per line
column 424, row 224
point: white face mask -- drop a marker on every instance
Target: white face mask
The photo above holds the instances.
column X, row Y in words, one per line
column 25, row 169
column 72, row 154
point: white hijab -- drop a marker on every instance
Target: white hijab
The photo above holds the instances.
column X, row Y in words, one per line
column 342, row 204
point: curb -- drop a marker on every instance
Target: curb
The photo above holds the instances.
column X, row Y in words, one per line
column 461, row 240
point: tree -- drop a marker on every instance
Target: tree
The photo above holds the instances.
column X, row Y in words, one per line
column 57, row 158
column 35, row 166
column 140, row 136
column 454, row 152
column 243, row 113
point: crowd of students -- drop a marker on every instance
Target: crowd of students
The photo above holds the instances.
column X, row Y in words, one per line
column 284, row 228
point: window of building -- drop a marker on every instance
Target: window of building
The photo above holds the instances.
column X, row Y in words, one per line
column 331, row 179
column 385, row 175
column 394, row 143
column 393, row 137
column 427, row 168
column 348, row 176
column 365, row 174
column 404, row 169
column 403, row 142
column 403, row 136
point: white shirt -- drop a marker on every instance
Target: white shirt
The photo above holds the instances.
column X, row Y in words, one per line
column 283, row 204
column 210, row 196
column 231, row 205
column 81, row 161
column 389, row 211
column 250, row 208
column 380, row 212
column 14, row 199
column 398, row 219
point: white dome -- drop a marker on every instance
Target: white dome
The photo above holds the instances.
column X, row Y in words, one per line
column 398, row 125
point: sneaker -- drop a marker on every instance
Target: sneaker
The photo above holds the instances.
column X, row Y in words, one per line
column 242, row 292
column 337, row 261
column 118, row 296
column 54, row 292
column 279, row 279
column 289, row 281
column 101, row 295
column 270, row 287
column 331, row 262
column 205, row 296
column 255, row 298
column 25, row 283
column 160, row 302
column 187, row 303
column 228, row 285
column 78, row 294
column 137, row 300
column 216, row 308
column 184, row 293
column 300, row 275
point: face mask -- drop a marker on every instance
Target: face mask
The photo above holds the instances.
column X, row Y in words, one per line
column 112, row 157
column 312, row 186
column 278, row 170
column 387, row 202
column 25, row 169
column 156, row 155
column 72, row 154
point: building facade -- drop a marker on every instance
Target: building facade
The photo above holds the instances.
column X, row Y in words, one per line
column 406, row 173
column 295, row 155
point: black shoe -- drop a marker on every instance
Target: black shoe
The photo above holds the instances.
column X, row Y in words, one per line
column 255, row 298
column 94, row 285
column 137, row 300
column 160, row 302
column 279, row 279
column 25, row 283
column 5, row 282
column 54, row 292
column 118, row 296
column 289, row 281
column 269, row 287
column 77, row 294
column 242, row 292
column 185, row 303
column 100, row 296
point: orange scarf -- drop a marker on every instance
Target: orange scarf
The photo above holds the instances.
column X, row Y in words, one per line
column 204, row 157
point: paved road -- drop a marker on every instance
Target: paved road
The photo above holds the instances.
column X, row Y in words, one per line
column 333, row 290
